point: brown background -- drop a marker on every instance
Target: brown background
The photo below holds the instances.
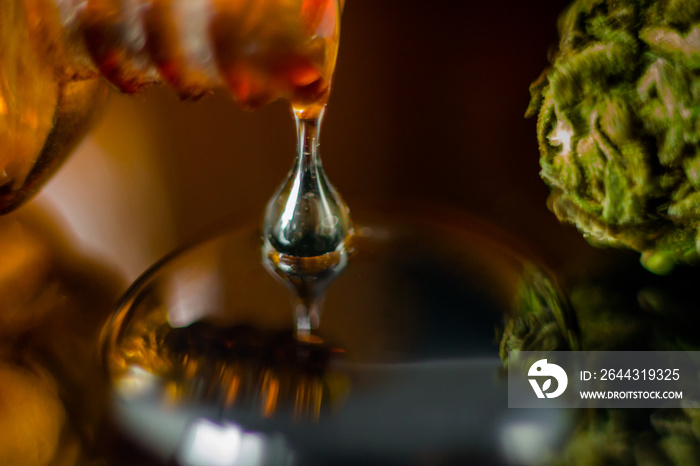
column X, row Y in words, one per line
column 427, row 105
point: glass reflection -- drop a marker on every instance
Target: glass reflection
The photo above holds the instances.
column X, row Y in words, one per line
column 407, row 366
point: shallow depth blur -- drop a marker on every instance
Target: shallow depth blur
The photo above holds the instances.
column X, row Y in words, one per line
column 207, row 336
column 427, row 108
column 453, row 133
column 53, row 407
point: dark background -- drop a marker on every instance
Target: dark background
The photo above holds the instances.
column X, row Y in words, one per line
column 427, row 106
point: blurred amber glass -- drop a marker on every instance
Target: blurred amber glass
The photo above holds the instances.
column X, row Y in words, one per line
column 43, row 113
column 52, row 397
column 208, row 326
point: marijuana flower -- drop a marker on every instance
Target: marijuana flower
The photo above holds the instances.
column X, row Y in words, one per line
column 619, row 126
column 623, row 308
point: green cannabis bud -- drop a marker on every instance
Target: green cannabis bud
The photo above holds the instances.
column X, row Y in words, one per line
column 621, row 308
column 619, row 126
column 542, row 320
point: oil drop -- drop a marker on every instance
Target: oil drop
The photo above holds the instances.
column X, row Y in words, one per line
column 306, row 229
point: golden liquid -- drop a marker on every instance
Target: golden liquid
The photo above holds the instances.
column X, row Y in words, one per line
column 51, row 54
column 260, row 50
column 307, row 279
column 264, row 373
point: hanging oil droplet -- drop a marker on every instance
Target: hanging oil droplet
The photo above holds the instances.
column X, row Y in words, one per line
column 306, row 229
